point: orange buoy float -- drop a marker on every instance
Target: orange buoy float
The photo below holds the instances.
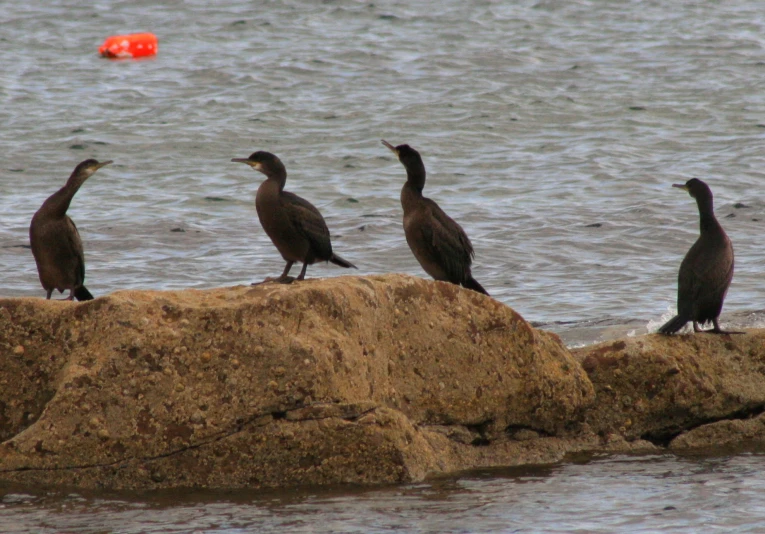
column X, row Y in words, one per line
column 129, row 46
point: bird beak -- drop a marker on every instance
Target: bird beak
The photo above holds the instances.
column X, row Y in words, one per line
column 104, row 163
column 681, row 186
column 254, row 164
column 258, row 166
column 391, row 147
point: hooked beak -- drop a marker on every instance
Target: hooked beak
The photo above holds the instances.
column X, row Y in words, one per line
column 391, row 147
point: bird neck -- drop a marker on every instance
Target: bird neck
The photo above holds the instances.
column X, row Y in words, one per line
column 415, row 179
column 278, row 177
column 270, row 191
column 707, row 218
column 58, row 203
column 411, row 197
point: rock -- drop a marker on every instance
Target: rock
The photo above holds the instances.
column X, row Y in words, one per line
column 654, row 387
column 342, row 380
column 722, row 433
column 362, row 380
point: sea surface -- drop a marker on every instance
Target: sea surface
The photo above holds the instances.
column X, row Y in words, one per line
column 631, row 494
column 551, row 131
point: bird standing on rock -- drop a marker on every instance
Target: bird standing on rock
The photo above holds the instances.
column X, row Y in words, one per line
column 440, row 244
column 56, row 243
column 294, row 225
column 706, row 271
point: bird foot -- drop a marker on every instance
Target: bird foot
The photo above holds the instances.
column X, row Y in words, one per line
column 272, row 279
column 279, row 280
column 727, row 332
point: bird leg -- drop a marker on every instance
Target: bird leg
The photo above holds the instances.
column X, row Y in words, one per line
column 285, row 278
column 301, row 276
column 49, row 293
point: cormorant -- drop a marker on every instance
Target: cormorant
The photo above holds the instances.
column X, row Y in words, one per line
column 440, row 244
column 706, row 271
column 56, row 243
column 294, row 225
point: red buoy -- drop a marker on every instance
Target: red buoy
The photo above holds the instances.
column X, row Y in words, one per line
column 127, row 46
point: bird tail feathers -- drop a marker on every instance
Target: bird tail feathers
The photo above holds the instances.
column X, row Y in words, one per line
column 337, row 260
column 472, row 283
column 673, row 325
column 82, row 293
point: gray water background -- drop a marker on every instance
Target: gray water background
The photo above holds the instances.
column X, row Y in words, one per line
column 552, row 131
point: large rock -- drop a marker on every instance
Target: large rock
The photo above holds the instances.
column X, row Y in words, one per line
column 656, row 387
column 351, row 379
column 347, row 380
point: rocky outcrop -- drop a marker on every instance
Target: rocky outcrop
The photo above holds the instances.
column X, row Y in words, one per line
column 347, row 379
column 360, row 380
column 657, row 388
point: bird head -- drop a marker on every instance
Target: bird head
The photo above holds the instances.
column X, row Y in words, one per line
column 262, row 161
column 85, row 170
column 696, row 188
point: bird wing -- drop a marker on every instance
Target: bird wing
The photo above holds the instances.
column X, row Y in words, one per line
column 307, row 220
column 74, row 242
column 449, row 244
column 706, row 271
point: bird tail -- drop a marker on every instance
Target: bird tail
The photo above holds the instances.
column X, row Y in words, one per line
column 673, row 325
column 82, row 293
column 472, row 283
column 337, row 260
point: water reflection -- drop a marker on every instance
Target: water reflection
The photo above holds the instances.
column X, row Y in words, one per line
column 589, row 494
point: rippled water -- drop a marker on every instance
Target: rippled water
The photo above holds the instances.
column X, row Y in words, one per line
column 619, row 494
column 551, row 131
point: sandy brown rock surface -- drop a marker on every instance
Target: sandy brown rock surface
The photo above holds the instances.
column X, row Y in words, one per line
column 657, row 387
column 346, row 379
column 362, row 380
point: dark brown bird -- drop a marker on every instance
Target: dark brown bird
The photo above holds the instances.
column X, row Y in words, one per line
column 440, row 244
column 56, row 243
column 294, row 225
column 706, row 271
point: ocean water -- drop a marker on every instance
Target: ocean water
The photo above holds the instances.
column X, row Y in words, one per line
column 551, row 131
column 635, row 494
